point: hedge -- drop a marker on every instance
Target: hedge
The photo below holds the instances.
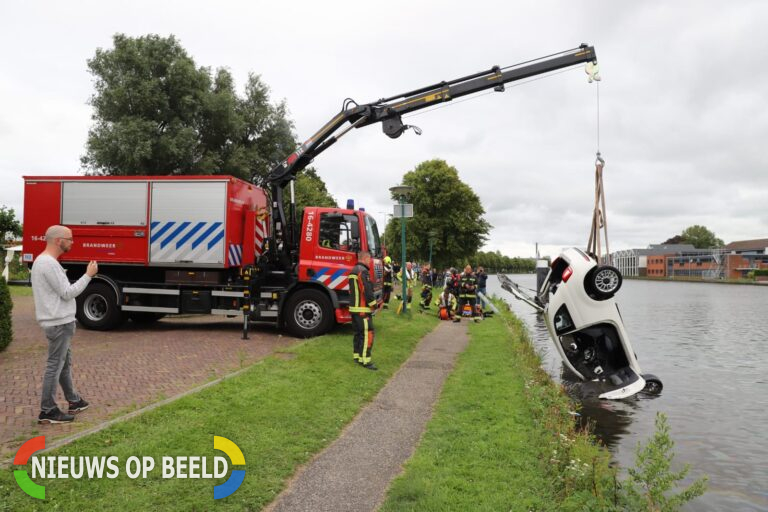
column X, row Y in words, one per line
column 6, row 306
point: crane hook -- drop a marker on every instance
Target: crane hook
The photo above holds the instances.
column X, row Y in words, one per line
column 593, row 71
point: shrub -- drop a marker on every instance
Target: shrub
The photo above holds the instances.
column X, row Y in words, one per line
column 6, row 306
column 649, row 483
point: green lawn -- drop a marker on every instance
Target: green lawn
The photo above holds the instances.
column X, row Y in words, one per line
column 280, row 412
column 20, row 291
column 501, row 437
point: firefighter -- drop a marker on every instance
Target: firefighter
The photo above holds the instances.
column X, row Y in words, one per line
column 467, row 292
column 387, row 281
column 410, row 279
column 446, row 305
column 362, row 308
column 426, row 296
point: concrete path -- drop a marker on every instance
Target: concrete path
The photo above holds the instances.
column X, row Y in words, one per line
column 354, row 473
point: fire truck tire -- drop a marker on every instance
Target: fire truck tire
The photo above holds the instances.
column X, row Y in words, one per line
column 309, row 313
column 97, row 308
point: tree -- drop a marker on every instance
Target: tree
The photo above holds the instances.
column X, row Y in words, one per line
column 446, row 206
column 156, row 112
column 10, row 228
column 677, row 239
column 311, row 191
column 700, row 237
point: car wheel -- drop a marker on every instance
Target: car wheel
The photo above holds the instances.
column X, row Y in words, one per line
column 603, row 282
column 308, row 313
column 97, row 308
column 653, row 385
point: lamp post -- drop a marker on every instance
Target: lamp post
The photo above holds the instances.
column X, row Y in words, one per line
column 402, row 191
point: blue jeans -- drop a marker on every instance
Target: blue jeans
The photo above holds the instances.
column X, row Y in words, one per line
column 59, row 367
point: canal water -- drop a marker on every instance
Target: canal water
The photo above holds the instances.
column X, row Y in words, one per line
column 708, row 344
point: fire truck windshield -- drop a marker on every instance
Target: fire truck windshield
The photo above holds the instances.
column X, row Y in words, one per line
column 372, row 233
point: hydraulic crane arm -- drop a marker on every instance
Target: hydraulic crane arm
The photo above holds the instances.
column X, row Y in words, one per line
column 389, row 112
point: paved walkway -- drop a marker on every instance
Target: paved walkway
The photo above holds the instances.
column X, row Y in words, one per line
column 120, row 370
column 354, row 473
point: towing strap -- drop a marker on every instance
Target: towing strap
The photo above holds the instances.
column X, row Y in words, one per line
column 599, row 219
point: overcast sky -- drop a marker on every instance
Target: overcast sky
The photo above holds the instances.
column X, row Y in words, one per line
column 683, row 117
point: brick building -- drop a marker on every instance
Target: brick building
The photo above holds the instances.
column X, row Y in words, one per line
column 744, row 256
column 735, row 261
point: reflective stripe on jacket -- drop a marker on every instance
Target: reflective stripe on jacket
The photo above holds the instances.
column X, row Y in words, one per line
column 361, row 290
column 410, row 277
column 468, row 285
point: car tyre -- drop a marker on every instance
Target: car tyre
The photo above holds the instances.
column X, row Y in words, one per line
column 309, row 313
column 653, row 385
column 603, row 281
column 97, row 308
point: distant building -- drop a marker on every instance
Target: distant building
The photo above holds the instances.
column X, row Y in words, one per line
column 744, row 256
column 734, row 261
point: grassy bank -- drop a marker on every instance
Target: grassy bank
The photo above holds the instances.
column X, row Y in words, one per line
column 502, row 437
column 20, row 291
column 280, row 412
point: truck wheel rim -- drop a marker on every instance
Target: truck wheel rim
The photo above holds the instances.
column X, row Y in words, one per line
column 95, row 308
column 308, row 314
column 606, row 280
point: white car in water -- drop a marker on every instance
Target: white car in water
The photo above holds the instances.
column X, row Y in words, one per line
column 584, row 322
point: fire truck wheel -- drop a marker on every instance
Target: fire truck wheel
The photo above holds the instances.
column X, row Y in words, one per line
column 309, row 313
column 97, row 308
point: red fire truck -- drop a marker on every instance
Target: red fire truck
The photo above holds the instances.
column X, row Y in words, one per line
column 220, row 245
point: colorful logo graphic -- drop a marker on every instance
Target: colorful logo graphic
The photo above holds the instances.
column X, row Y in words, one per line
column 135, row 467
column 22, row 478
column 237, row 476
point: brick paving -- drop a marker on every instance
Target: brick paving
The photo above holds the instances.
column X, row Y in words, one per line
column 120, row 370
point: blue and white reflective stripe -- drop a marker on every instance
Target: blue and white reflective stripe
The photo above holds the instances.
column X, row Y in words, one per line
column 200, row 242
column 320, row 275
column 235, row 255
column 335, row 280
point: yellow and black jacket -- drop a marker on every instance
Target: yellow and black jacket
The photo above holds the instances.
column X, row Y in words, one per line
column 361, row 290
column 467, row 286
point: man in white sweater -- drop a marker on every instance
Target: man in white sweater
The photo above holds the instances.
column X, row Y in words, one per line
column 55, row 311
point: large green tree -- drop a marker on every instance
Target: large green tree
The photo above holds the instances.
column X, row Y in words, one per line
column 311, row 191
column 157, row 112
column 446, row 210
column 698, row 236
column 495, row 262
column 10, row 227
